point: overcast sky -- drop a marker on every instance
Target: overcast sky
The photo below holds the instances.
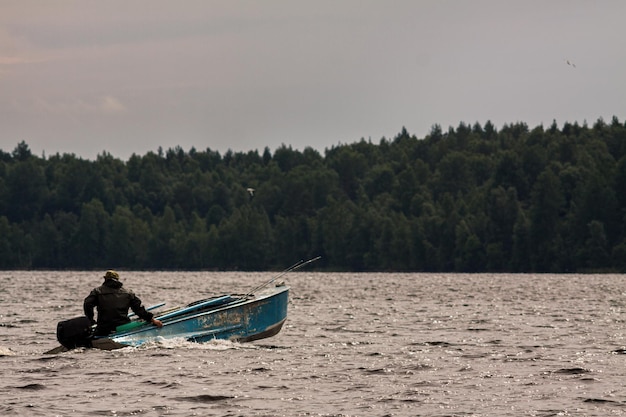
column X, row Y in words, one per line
column 128, row 76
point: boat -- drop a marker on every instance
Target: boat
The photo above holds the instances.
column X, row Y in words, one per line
column 230, row 317
column 238, row 318
column 259, row 314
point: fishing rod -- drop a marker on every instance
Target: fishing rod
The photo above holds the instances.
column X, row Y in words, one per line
column 293, row 267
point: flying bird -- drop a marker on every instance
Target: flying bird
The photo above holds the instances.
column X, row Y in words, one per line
column 570, row 63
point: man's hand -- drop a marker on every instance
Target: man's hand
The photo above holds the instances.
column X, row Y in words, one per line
column 156, row 322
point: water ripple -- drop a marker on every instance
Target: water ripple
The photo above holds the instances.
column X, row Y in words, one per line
column 354, row 345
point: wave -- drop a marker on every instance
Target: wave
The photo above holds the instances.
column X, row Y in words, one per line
column 5, row 351
column 181, row 343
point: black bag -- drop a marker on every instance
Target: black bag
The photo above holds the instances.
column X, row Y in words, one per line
column 74, row 332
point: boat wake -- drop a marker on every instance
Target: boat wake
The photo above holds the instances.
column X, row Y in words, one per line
column 181, row 343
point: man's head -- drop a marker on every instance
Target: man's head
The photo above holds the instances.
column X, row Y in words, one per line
column 111, row 274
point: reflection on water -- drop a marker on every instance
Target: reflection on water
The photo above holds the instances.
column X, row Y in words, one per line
column 353, row 345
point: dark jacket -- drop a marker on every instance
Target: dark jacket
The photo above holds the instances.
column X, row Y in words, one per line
column 112, row 302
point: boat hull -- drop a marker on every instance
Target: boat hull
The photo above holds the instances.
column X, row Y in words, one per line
column 240, row 319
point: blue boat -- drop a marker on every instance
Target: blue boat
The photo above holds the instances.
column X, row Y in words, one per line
column 238, row 318
column 230, row 317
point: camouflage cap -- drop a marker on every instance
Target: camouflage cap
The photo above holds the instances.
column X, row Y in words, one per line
column 111, row 274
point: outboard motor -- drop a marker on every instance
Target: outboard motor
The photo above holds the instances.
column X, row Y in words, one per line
column 74, row 332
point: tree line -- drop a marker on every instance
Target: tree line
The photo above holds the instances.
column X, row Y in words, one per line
column 473, row 198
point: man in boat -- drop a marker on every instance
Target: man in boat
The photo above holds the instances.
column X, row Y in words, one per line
column 112, row 302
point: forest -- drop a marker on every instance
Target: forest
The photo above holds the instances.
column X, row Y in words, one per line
column 474, row 198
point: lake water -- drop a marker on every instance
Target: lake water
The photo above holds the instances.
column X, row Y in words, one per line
column 353, row 345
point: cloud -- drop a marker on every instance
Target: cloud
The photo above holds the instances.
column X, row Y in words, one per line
column 16, row 52
column 13, row 60
column 70, row 107
column 11, row 64
column 111, row 104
